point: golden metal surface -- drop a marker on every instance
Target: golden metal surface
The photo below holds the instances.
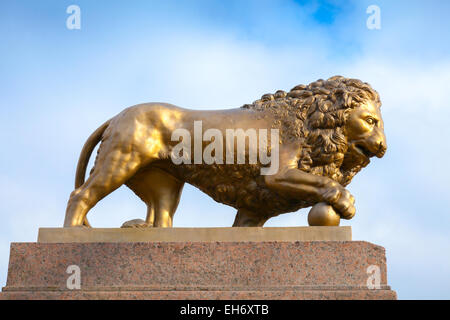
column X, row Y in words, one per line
column 328, row 130
column 322, row 214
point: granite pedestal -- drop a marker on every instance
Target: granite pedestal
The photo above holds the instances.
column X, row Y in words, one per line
column 197, row 263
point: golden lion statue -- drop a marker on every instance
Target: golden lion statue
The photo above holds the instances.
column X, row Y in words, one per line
column 328, row 130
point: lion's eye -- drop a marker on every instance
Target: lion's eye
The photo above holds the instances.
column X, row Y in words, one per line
column 370, row 121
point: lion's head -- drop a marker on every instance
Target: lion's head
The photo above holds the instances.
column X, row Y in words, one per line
column 337, row 120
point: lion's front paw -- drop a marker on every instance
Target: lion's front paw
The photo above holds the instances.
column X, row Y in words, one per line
column 136, row 223
column 341, row 200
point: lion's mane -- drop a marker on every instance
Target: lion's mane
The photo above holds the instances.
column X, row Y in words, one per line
column 315, row 114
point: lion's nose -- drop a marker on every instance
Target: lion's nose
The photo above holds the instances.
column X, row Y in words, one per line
column 381, row 149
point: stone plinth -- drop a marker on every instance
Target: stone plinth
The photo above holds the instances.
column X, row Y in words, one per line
column 64, row 235
column 282, row 269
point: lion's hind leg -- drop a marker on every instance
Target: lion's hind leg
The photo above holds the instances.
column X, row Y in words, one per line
column 161, row 193
column 112, row 170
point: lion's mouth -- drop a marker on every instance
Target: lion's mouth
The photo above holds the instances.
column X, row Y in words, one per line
column 364, row 151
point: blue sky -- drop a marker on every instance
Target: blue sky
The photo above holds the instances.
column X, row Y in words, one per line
column 58, row 85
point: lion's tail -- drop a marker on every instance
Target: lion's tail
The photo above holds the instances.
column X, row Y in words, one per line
column 86, row 152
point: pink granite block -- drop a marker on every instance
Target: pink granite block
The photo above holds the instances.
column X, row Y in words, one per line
column 197, row 270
